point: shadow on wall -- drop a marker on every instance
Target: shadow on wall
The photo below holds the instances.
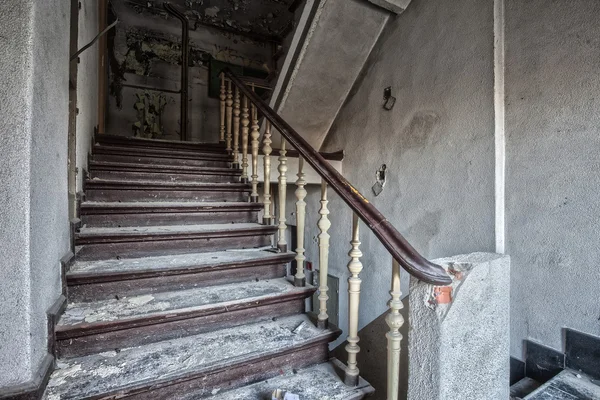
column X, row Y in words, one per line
column 372, row 359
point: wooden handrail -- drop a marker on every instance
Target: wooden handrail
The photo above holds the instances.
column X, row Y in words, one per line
column 413, row 262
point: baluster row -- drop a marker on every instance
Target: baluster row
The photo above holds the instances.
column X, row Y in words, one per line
column 239, row 116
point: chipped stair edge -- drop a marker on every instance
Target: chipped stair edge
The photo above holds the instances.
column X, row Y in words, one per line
column 322, row 381
column 129, row 321
column 198, row 362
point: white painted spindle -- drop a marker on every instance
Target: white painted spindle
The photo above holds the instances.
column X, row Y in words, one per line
column 394, row 338
column 267, row 150
column 245, row 122
column 324, row 225
column 355, row 267
column 229, row 115
column 222, row 97
column 255, row 134
column 300, row 278
column 236, row 129
column 282, row 242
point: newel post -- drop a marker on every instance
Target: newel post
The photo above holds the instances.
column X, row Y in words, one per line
column 395, row 321
column 282, row 242
column 300, row 278
column 324, row 225
column 355, row 267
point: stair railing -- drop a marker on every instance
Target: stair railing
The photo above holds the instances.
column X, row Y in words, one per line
column 243, row 120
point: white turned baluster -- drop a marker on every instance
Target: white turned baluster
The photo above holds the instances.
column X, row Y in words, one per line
column 222, row 96
column 395, row 321
column 267, row 219
column 355, row 267
column 236, row 129
column 255, row 134
column 300, row 279
column 245, row 122
column 282, row 242
column 229, row 103
column 324, row 225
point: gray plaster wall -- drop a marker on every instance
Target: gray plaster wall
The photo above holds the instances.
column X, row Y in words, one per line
column 87, row 84
column 437, row 142
column 34, row 214
column 553, row 137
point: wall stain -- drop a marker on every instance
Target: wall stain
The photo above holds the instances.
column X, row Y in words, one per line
column 421, row 130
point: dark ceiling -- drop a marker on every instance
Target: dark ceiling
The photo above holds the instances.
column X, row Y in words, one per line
column 260, row 19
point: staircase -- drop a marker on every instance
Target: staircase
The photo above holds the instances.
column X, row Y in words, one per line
column 175, row 291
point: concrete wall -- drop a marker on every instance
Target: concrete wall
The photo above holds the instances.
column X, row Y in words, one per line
column 34, row 215
column 87, row 84
column 553, row 164
column 437, row 142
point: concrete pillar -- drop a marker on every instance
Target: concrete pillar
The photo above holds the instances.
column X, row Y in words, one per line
column 34, row 234
column 460, row 349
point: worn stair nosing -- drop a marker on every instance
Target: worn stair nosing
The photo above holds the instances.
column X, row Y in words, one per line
column 211, row 370
column 127, row 237
column 115, row 184
column 65, row 332
column 161, row 168
column 108, row 139
column 159, row 153
column 148, row 207
column 86, row 278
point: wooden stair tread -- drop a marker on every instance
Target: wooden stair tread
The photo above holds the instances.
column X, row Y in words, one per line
column 158, row 152
column 158, row 265
column 131, row 232
column 321, row 381
column 133, row 369
column 160, row 205
column 167, row 184
column 160, row 167
column 567, row 385
column 105, row 315
column 136, row 141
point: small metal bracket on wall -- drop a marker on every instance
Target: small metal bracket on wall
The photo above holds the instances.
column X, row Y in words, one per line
column 380, row 175
column 389, row 100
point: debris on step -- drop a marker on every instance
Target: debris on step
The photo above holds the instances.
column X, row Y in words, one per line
column 279, row 394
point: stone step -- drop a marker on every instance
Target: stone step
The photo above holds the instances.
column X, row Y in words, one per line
column 136, row 158
column 130, row 141
column 198, row 154
column 567, row 385
column 120, row 214
column 322, row 381
column 201, row 363
column 126, row 321
column 105, row 279
column 124, row 191
column 132, row 242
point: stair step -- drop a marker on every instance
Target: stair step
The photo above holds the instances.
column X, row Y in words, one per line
column 137, row 158
column 523, row 387
column 199, row 363
column 159, row 153
column 230, row 176
column 322, row 381
column 132, row 242
column 119, row 214
column 129, row 141
column 123, row 321
column 567, row 385
column 122, row 190
column 105, row 279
